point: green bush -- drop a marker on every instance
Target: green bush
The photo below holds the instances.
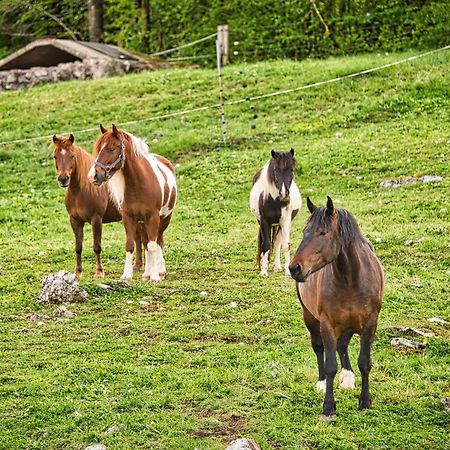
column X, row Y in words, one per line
column 265, row 29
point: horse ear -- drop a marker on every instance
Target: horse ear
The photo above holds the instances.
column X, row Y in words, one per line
column 274, row 154
column 115, row 131
column 311, row 206
column 55, row 139
column 330, row 206
column 103, row 129
column 292, row 152
column 71, row 138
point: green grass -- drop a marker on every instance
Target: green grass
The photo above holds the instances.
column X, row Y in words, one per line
column 189, row 371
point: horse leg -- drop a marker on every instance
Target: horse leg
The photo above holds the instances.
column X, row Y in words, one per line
column 313, row 326
column 97, row 246
column 153, row 252
column 160, row 241
column 329, row 342
column 285, row 235
column 265, row 228
column 346, row 377
column 77, row 228
column 130, row 231
column 277, row 262
column 138, row 261
column 365, row 364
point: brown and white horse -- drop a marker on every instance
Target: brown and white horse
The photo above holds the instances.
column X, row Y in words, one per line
column 340, row 284
column 275, row 200
column 143, row 186
column 84, row 202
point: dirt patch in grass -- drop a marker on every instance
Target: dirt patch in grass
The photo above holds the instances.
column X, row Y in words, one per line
column 226, row 426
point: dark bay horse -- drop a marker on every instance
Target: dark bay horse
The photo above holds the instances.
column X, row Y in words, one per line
column 144, row 189
column 340, row 284
column 83, row 202
column 275, row 200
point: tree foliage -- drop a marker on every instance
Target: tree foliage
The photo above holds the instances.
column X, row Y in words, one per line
column 263, row 28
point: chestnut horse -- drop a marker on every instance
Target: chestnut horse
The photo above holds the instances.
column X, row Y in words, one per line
column 143, row 186
column 275, row 200
column 83, row 202
column 340, row 284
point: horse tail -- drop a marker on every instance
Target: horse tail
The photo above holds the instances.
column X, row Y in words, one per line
column 259, row 246
column 274, row 233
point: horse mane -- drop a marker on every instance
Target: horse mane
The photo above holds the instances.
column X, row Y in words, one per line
column 84, row 162
column 139, row 145
column 349, row 231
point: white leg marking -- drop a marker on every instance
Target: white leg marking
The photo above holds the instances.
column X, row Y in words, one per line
column 346, row 379
column 128, row 269
column 277, row 262
column 153, row 254
column 321, row 386
column 265, row 264
column 285, row 230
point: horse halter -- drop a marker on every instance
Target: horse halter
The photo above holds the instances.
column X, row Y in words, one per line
column 109, row 167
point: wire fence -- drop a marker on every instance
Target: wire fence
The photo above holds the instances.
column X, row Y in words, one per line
column 225, row 104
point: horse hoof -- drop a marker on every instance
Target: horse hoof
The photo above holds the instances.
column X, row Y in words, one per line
column 364, row 404
column 125, row 278
column 264, row 274
column 328, row 418
column 154, row 278
column 347, row 379
column 162, row 275
column 277, row 269
column 78, row 274
column 100, row 274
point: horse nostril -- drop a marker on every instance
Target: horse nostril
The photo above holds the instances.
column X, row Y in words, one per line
column 295, row 270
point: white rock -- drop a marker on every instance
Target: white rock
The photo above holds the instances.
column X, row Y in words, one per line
column 243, row 444
column 96, row 447
column 204, row 293
column 37, row 318
column 233, row 305
column 402, row 343
column 62, row 311
column 437, row 320
column 144, row 303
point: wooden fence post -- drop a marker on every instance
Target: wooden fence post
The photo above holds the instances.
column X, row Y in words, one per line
column 222, row 39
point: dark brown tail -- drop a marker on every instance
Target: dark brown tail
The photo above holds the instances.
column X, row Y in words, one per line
column 274, row 230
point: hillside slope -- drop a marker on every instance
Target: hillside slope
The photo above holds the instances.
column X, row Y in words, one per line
column 194, row 370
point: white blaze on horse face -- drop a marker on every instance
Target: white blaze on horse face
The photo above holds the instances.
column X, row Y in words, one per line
column 63, row 152
column 283, row 191
column 116, row 188
column 128, row 269
column 346, row 379
column 91, row 173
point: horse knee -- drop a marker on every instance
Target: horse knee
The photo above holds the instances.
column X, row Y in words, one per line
column 152, row 246
column 97, row 249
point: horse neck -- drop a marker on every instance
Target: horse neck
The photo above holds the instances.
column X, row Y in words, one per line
column 132, row 169
column 269, row 185
column 347, row 264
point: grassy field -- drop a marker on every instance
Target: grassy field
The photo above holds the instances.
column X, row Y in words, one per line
column 189, row 370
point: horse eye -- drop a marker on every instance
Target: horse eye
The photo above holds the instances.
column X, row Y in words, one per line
column 111, row 150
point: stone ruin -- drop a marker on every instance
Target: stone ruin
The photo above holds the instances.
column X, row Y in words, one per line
column 53, row 60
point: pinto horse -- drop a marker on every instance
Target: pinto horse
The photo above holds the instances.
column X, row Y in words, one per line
column 340, row 284
column 143, row 186
column 275, row 200
column 83, row 202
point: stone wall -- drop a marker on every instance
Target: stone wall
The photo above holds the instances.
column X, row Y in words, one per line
column 78, row 70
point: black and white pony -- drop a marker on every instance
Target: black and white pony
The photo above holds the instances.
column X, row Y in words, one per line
column 275, row 200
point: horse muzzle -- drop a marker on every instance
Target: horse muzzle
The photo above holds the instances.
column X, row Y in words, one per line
column 298, row 273
column 64, row 180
